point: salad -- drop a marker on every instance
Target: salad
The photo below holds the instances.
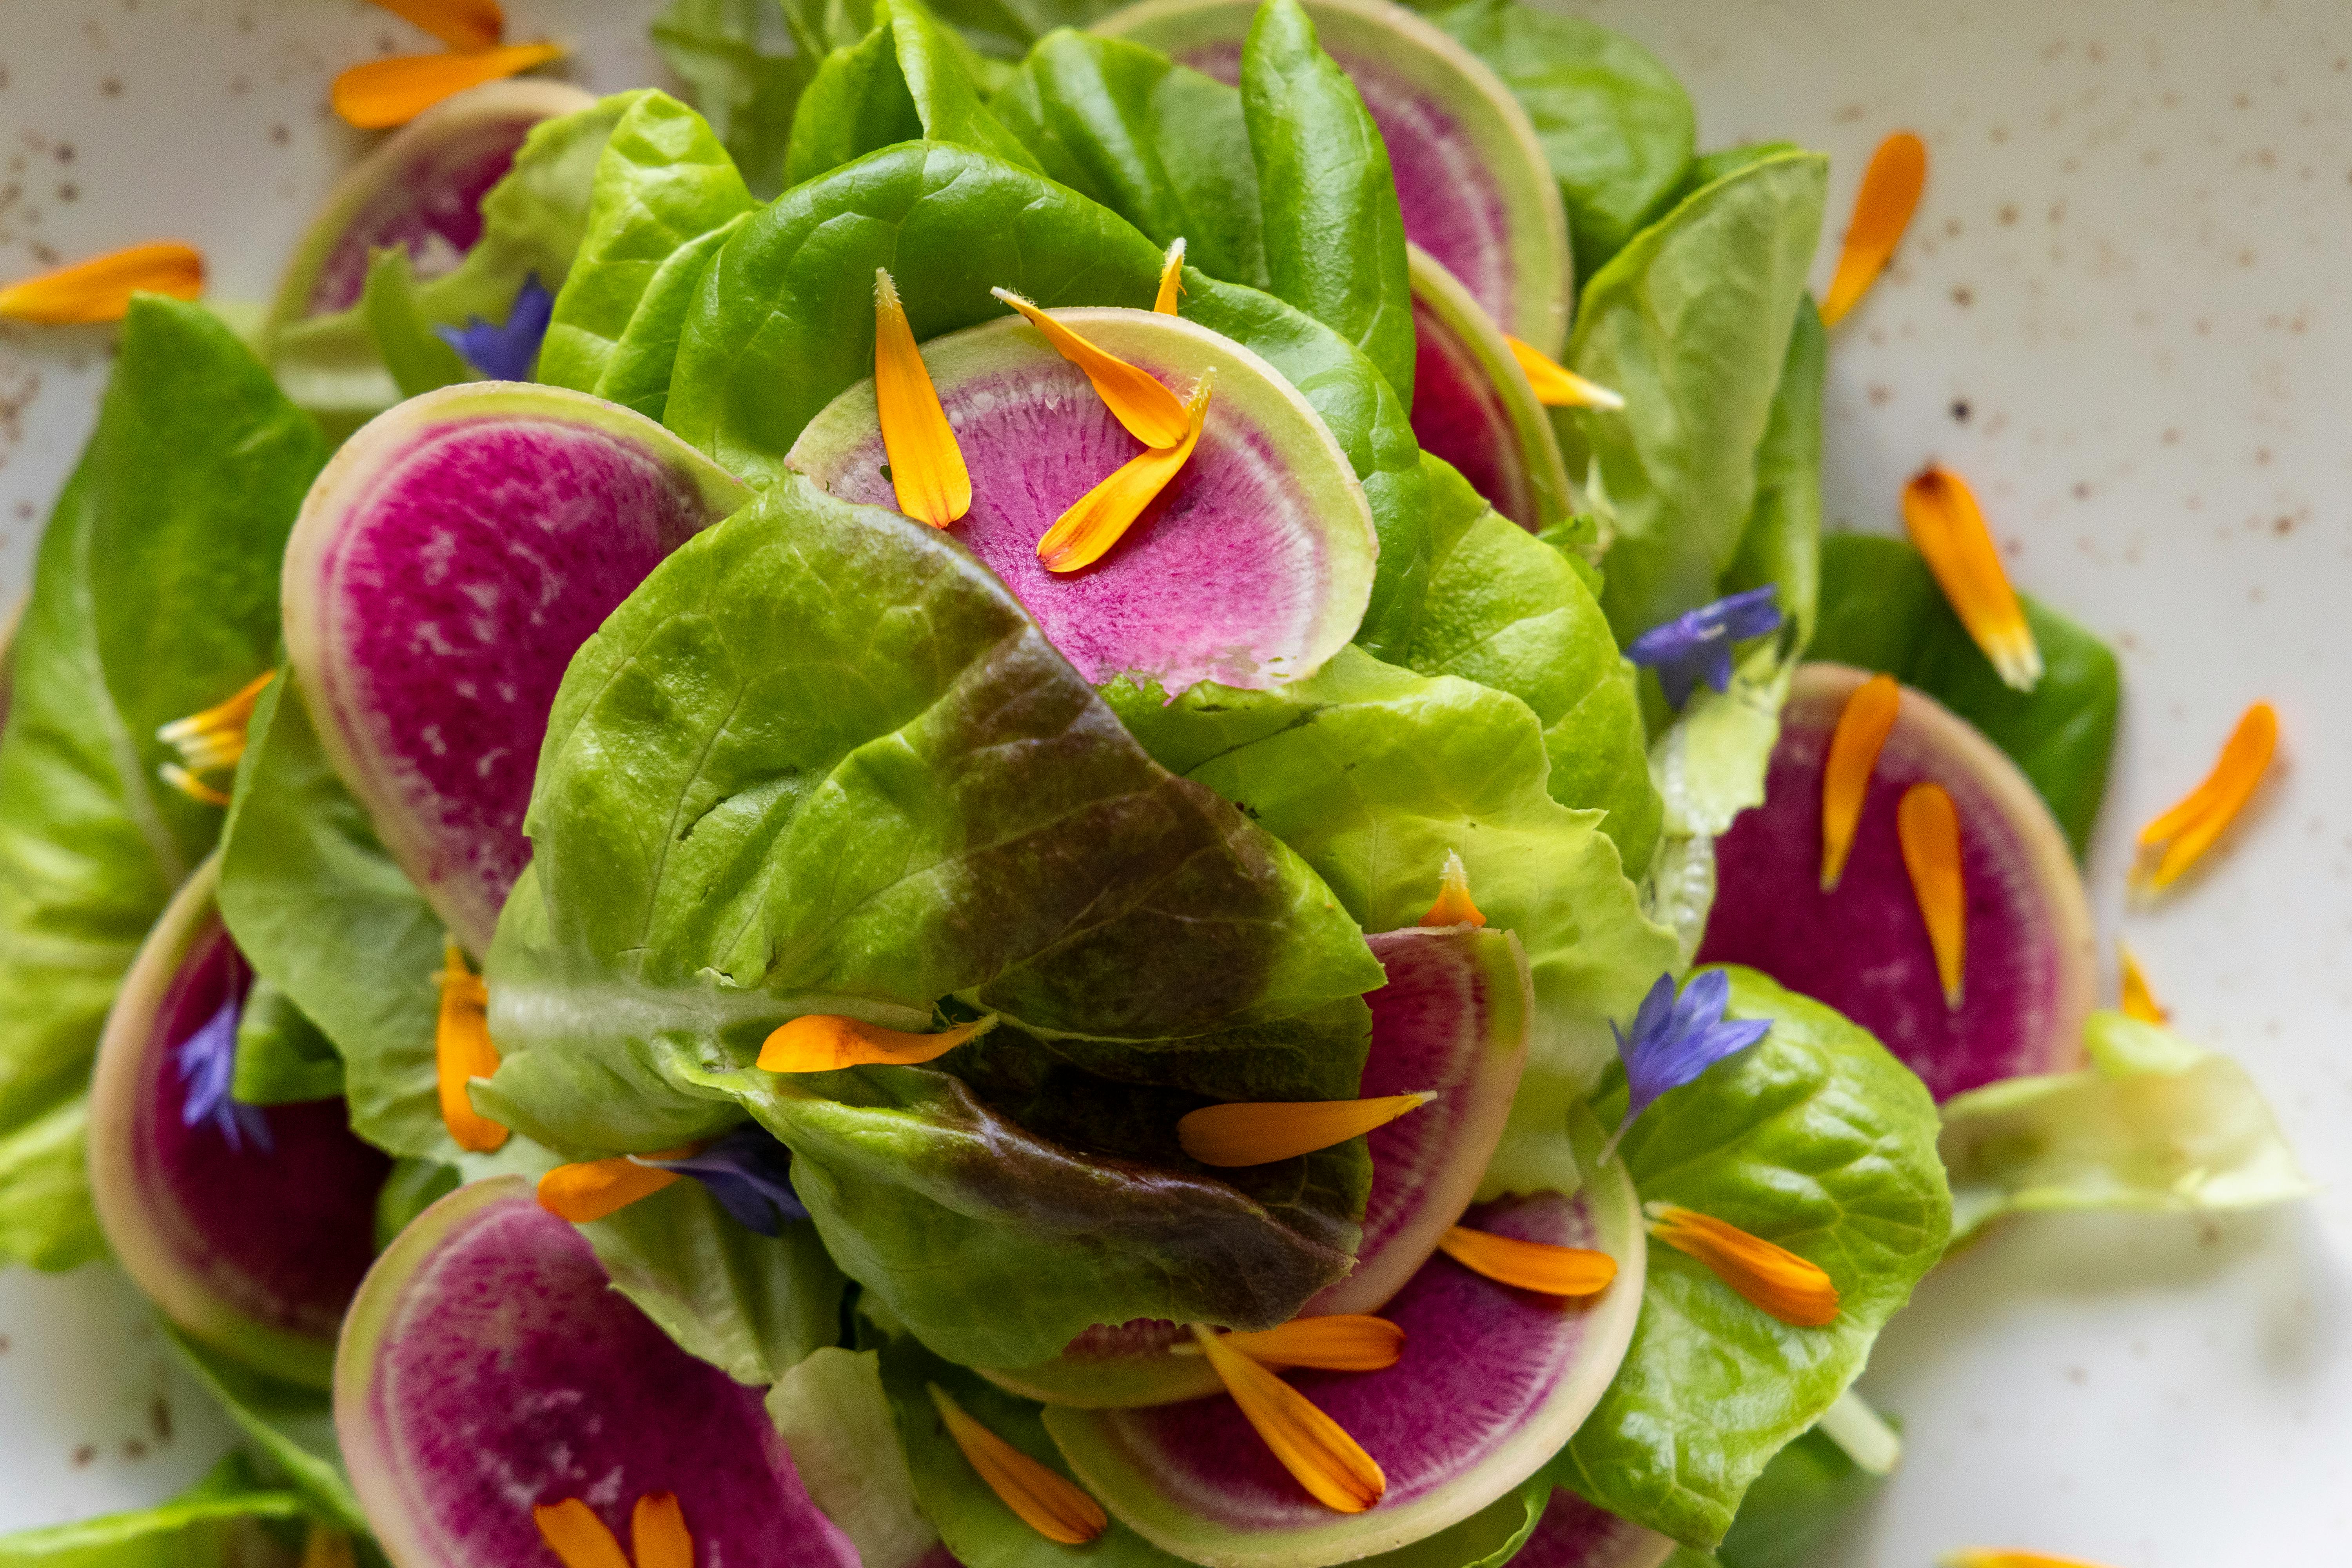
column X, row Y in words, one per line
column 1062, row 781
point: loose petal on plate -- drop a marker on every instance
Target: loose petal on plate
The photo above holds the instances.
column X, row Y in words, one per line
column 822, row 1042
column 927, row 467
column 99, row 289
column 588, row 1190
column 1794, row 1290
column 1556, row 386
column 383, row 93
column 1100, row 518
column 1994, row 1557
column 574, row 1533
column 1172, row 280
column 1882, row 211
column 1258, row 1133
column 327, row 1547
column 460, row 23
column 1047, row 1501
column 462, row 1052
column 2177, row 840
column 1529, row 1265
column 1332, row 1466
column 2138, row 1001
column 657, row 1530
column 1697, row 645
column 1940, row 514
column 1862, row 726
column 1152, row 414
column 1343, row 1342
column 1453, row 906
column 749, row 1172
column 1673, row 1041
column 210, row 741
column 509, row 352
column 1930, row 828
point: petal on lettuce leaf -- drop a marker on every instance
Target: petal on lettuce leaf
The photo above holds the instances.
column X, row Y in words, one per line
column 154, row 596
column 834, row 1417
column 1815, row 1138
column 2154, row 1122
column 208, row 1526
column 743, row 81
column 293, row 1425
column 822, row 762
column 910, row 78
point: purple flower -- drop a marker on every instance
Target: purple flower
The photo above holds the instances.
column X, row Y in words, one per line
column 508, row 353
column 208, row 1061
column 1673, row 1041
column 750, row 1174
column 1697, row 643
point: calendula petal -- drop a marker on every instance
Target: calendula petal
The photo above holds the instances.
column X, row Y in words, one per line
column 215, row 739
column 388, row 92
column 1940, row 514
column 2178, row 839
column 1453, row 906
column 1100, row 518
column 927, row 467
column 462, row 1052
column 460, row 23
column 1046, row 1501
column 2138, row 1001
column 658, row 1532
column 588, row 1190
column 822, row 1042
column 99, row 289
column 1862, row 726
column 327, row 1547
column 1152, row 414
column 1172, row 280
column 1996, row 1557
column 1882, row 211
column 1343, row 1342
column 1557, row 386
column 1792, row 1289
column 1332, row 1466
column 1529, row 1265
column 1258, row 1133
column 189, row 784
column 574, row 1533
column 1930, row 828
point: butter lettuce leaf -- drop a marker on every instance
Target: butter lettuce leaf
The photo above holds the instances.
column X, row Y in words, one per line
column 206, row 1526
column 292, row 1425
column 741, row 77
column 911, row 78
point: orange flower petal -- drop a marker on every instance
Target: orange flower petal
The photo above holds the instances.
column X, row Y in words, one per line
column 1171, row 282
column 2190, row 828
column 1344, row 1342
column 462, row 1052
column 1453, row 906
column 1882, row 211
column 460, row 23
column 821, row 1042
column 1984, row 1557
column 1930, row 828
column 574, row 1533
column 1047, row 1501
column 1332, row 1466
column 1940, row 514
column 99, row 289
column 658, row 1535
column 1100, row 518
column 189, row 784
column 388, row 92
column 2138, row 1001
column 215, row 739
column 327, row 1547
column 927, row 469
column 1258, row 1133
column 1529, row 1265
column 1136, row 398
column 588, row 1190
column 1793, row 1289
column 1557, row 386
column 1862, row 727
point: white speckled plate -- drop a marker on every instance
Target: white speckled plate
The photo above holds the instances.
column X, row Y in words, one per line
column 2124, row 312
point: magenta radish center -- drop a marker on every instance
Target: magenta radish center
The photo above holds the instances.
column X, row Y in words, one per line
column 1459, row 415
column 430, row 207
column 1864, row 948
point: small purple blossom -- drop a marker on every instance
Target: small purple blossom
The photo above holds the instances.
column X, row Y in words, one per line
column 1673, row 1041
column 207, row 1062
column 1696, row 644
column 508, row 353
column 750, row 1174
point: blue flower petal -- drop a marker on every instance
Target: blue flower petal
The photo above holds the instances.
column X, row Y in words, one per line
column 1697, row 645
column 508, row 353
column 1670, row 1046
column 208, row 1064
column 749, row 1172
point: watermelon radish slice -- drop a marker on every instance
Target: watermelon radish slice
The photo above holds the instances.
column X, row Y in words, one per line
column 1472, row 406
column 1477, row 191
column 1491, row 1383
column 1864, row 950
column 1573, row 1533
column 444, row 569
column 1253, row 566
column 249, row 1226
column 1451, row 1018
column 488, row 1367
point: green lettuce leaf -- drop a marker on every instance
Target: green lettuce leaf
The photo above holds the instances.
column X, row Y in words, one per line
column 745, row 87
column 293, row 1425
column 834, row 1417
column 1616, row 127
column 2154, row 1122
column 764, row 794
column 1881, row 610
column 1793, row 1506
column 413, row 1187
column 911, row 78
column 208, row 1526
column 154, row 595
column 282, row 1058
column 1815, row 1138
column 419, row 361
